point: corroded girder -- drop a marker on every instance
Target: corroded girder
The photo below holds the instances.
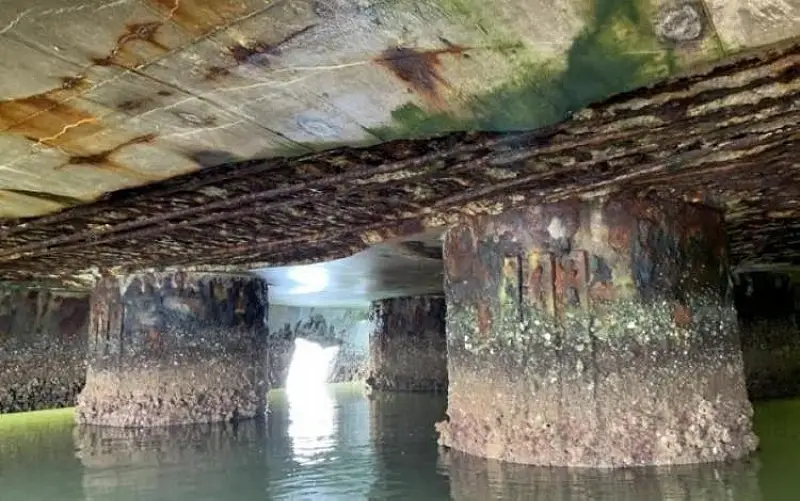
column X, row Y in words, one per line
column 727, row 136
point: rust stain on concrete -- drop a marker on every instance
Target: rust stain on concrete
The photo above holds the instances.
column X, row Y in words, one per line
column 120, row 55
column 47, row 118
column 421, row 70
column 199, row 17
column 257, row 53
column 104, row 160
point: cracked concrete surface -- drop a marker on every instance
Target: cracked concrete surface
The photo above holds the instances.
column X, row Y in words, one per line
column 212, row 81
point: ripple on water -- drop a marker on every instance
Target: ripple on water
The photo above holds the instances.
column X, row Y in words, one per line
column 343, row 445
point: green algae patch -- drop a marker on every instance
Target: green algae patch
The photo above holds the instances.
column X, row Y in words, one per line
column 616, row 51
column 32, row 436
column 779, row 440
column 25, row 422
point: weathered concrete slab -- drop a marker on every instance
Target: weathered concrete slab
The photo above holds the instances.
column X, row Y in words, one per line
column 226, row 80
column 752, row 23
column 314, row 75
column 114, row 34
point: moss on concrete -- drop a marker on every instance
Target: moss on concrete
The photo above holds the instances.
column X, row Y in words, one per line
column 617, row 51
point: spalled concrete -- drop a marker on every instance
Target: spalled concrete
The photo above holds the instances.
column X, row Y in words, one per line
column 408, row 350
column 42, row 347
column 177, row 348
column 767, row 307
column 597, row 334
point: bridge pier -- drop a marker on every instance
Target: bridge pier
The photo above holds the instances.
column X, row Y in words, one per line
column 408, row 351
column 175, row 348
column 42, row 345
column 594, row 333
column 767, row 306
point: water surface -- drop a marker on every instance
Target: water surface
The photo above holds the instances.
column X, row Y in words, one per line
column 336, row 443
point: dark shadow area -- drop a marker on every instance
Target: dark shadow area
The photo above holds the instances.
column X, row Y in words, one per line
column 766, row 303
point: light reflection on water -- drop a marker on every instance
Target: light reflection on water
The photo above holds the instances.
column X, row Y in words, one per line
column 376, row 448
column 312, row 410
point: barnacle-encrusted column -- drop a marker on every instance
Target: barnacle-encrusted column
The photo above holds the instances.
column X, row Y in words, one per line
column 176, row 348
column 594, row 333
column 407, row 346
column 42, row 348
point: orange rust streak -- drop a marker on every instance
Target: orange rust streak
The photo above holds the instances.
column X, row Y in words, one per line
column 421, row 70
column 145, row 33
column 199, row 17
column 46, row 118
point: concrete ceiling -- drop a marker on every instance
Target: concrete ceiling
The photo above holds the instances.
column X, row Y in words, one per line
column 99, row 95
column 171, row 99
column 404, row 267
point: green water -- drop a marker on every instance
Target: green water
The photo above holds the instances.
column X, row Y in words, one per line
column 338, row 444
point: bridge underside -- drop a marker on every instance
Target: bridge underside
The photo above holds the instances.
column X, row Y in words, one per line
column 725, row 137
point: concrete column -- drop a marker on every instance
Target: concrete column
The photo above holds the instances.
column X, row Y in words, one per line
column 42, row 348
column 596, row 334
column 765, row 302
column 408, row 350
column 177, row 348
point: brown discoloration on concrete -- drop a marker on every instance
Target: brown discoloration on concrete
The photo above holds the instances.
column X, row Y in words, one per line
column 43, row 195
column 104, row 160
column 421, row 69
column 42, row 349
column 408, row 351
column 207, row 361
column 732, row 135
column 133, row 105
column 629, row 378
column 142, row 32
column 257, row 53
column 199, row 17
column 48, row 118
column 251, row 54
